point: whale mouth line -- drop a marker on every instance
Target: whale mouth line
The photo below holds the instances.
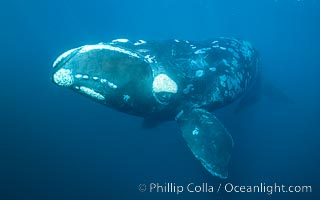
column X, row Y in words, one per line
column 65, row 57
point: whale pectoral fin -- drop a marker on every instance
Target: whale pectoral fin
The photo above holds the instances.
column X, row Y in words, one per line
column 208, row 139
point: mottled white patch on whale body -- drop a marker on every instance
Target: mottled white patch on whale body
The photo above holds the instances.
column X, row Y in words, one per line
column 90, row 92
column 63, row 77
column 139, row 42
column 223, row 79
column 201, row 51
column 112, row 85
column 87, row 48
column 199, row 73
column 246, row 50
column 150, row 59
column 121, row 40
column 62, row 56
column 163, row 83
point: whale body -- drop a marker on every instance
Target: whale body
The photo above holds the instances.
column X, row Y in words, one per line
column 167, row 80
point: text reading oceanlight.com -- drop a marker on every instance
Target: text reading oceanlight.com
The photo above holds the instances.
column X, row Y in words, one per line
column 268, row 189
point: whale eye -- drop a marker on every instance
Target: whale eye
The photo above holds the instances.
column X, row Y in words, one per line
column 163, row 97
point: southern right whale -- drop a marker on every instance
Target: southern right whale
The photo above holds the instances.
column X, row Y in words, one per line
column 167, row 80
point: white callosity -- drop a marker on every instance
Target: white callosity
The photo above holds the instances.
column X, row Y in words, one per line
column 121, row 40
column 95, row 78
column 139, row 42
column 163, row 83
column 78, row 76
column 112, row 85
column 63, row 77
column 87, row 48
column 90, row 92
column 150, row 59
column 85, row 77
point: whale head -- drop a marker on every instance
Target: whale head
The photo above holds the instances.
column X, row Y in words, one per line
column 111, row 75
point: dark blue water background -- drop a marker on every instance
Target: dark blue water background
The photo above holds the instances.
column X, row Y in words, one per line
column 55, row 144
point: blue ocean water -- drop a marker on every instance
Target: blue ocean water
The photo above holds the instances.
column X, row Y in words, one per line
column 55, row 144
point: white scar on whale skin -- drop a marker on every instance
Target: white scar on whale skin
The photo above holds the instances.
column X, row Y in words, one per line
column 199, row 73
column 63, row 77
column 87, row 48
column 163, row 83
column 90, row 92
